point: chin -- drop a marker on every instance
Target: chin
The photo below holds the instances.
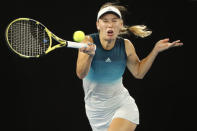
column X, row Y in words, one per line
column 111, row 37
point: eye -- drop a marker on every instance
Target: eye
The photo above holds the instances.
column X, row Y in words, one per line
column 114, row 20
column 105, row 20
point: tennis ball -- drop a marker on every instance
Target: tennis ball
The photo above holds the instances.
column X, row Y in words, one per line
column 78, row 36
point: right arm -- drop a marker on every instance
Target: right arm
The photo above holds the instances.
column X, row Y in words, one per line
column 85, row 56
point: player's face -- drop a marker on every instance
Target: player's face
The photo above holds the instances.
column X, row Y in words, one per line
column 109, row 26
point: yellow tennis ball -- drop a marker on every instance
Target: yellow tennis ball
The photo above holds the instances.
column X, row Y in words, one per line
column 78, row 36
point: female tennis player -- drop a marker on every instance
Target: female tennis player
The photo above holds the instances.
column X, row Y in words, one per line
column 109, row 106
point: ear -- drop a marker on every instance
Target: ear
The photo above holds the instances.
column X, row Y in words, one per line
column 122, row 23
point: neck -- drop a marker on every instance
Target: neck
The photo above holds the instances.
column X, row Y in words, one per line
column 107, row 44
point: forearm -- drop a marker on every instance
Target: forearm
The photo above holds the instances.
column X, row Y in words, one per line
column 83, row 66
column 145, row 64
column 140, row 68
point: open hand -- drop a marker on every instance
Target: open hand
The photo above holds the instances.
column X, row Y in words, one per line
column 164, row 44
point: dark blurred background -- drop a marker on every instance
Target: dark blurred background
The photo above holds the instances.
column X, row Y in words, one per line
column 45, row 94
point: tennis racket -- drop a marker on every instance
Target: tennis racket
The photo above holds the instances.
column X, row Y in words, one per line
column 29, row 38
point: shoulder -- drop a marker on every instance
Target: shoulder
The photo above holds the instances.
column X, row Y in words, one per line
column 128, row 43
column 129, row 48
column 91, row 38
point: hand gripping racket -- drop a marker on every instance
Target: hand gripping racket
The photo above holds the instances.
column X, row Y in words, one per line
column 29, row 38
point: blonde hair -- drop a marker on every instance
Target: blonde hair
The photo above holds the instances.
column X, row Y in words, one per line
column 138, row 30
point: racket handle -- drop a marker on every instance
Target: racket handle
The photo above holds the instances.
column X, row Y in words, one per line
column 71, row 44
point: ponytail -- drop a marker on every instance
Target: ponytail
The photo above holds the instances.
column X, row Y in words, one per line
column 137, row 30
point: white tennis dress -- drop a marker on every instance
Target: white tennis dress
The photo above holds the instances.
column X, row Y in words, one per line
column 105, row 96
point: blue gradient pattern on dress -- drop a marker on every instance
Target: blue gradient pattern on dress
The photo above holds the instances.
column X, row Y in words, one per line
column 107, row 65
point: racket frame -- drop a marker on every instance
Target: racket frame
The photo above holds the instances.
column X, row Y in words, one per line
column 50, row 48
column 48, row 32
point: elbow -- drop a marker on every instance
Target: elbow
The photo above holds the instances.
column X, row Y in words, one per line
column 80, row 75
column 138, row 75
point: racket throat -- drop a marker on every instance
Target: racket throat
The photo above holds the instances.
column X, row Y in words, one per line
column 62, row 42
column 56, row 46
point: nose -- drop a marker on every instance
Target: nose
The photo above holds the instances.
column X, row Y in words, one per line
column 110, row 24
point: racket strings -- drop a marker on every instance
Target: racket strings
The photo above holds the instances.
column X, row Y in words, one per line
column 28, row 38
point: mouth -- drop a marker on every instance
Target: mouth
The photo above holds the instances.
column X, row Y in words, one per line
column 110, row 32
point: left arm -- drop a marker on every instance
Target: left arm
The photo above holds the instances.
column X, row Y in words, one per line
column 139, row 68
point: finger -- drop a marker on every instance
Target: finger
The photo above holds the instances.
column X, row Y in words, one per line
column 90, row 44
column 93, row 46
column 88, row 49
column 82, row 49
column 175, row 44
column 178, row 44
column 177, row 41
column 165, row 40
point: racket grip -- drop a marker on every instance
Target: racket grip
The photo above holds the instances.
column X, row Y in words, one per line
column 71, row 44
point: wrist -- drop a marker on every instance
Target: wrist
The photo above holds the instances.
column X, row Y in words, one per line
column 155, row 51
column 90, row 56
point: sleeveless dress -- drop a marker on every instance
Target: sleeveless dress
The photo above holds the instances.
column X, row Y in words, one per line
column 106, row 97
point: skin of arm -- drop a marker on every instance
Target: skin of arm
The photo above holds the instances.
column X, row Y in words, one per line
column 139, row 68
column 85, row 56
